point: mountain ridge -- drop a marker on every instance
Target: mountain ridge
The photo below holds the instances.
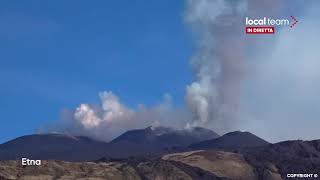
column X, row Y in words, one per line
column 235, row 139
column 80, row 148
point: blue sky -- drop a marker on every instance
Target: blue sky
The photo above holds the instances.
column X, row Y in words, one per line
column 58, row 54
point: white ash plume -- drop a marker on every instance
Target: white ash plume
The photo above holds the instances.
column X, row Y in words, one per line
column 218, row 64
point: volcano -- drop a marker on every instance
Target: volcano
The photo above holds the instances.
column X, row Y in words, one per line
column 156, row 140
column 139, row 142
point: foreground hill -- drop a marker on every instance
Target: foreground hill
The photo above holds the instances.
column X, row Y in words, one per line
column 232, row 140
column 76, row 148
column 271, row 162
column 222, row 164
column 289, row 156
column 143, row 170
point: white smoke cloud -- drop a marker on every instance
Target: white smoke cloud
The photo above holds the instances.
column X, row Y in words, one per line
column 213, row 97
column 110, row 112
column 111, row 117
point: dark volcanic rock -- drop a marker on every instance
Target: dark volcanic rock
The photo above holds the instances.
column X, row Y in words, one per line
column 53, row 146
column 166, row 136
column 232, row 140
column 156, row 140
column 139, row 142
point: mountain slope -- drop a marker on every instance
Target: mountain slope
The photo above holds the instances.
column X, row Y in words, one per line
column 273, row 161
column 166, row 136
column 231, row 140
column 53, row 146
column 156, row 140
column 289, row 156
column 142, row 170
column 222, row 164
column 139, row 142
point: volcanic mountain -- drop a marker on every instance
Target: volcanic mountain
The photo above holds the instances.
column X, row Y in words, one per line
column 232, row 140
column 156, row 140
column 53, row 146
column 138, row 142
